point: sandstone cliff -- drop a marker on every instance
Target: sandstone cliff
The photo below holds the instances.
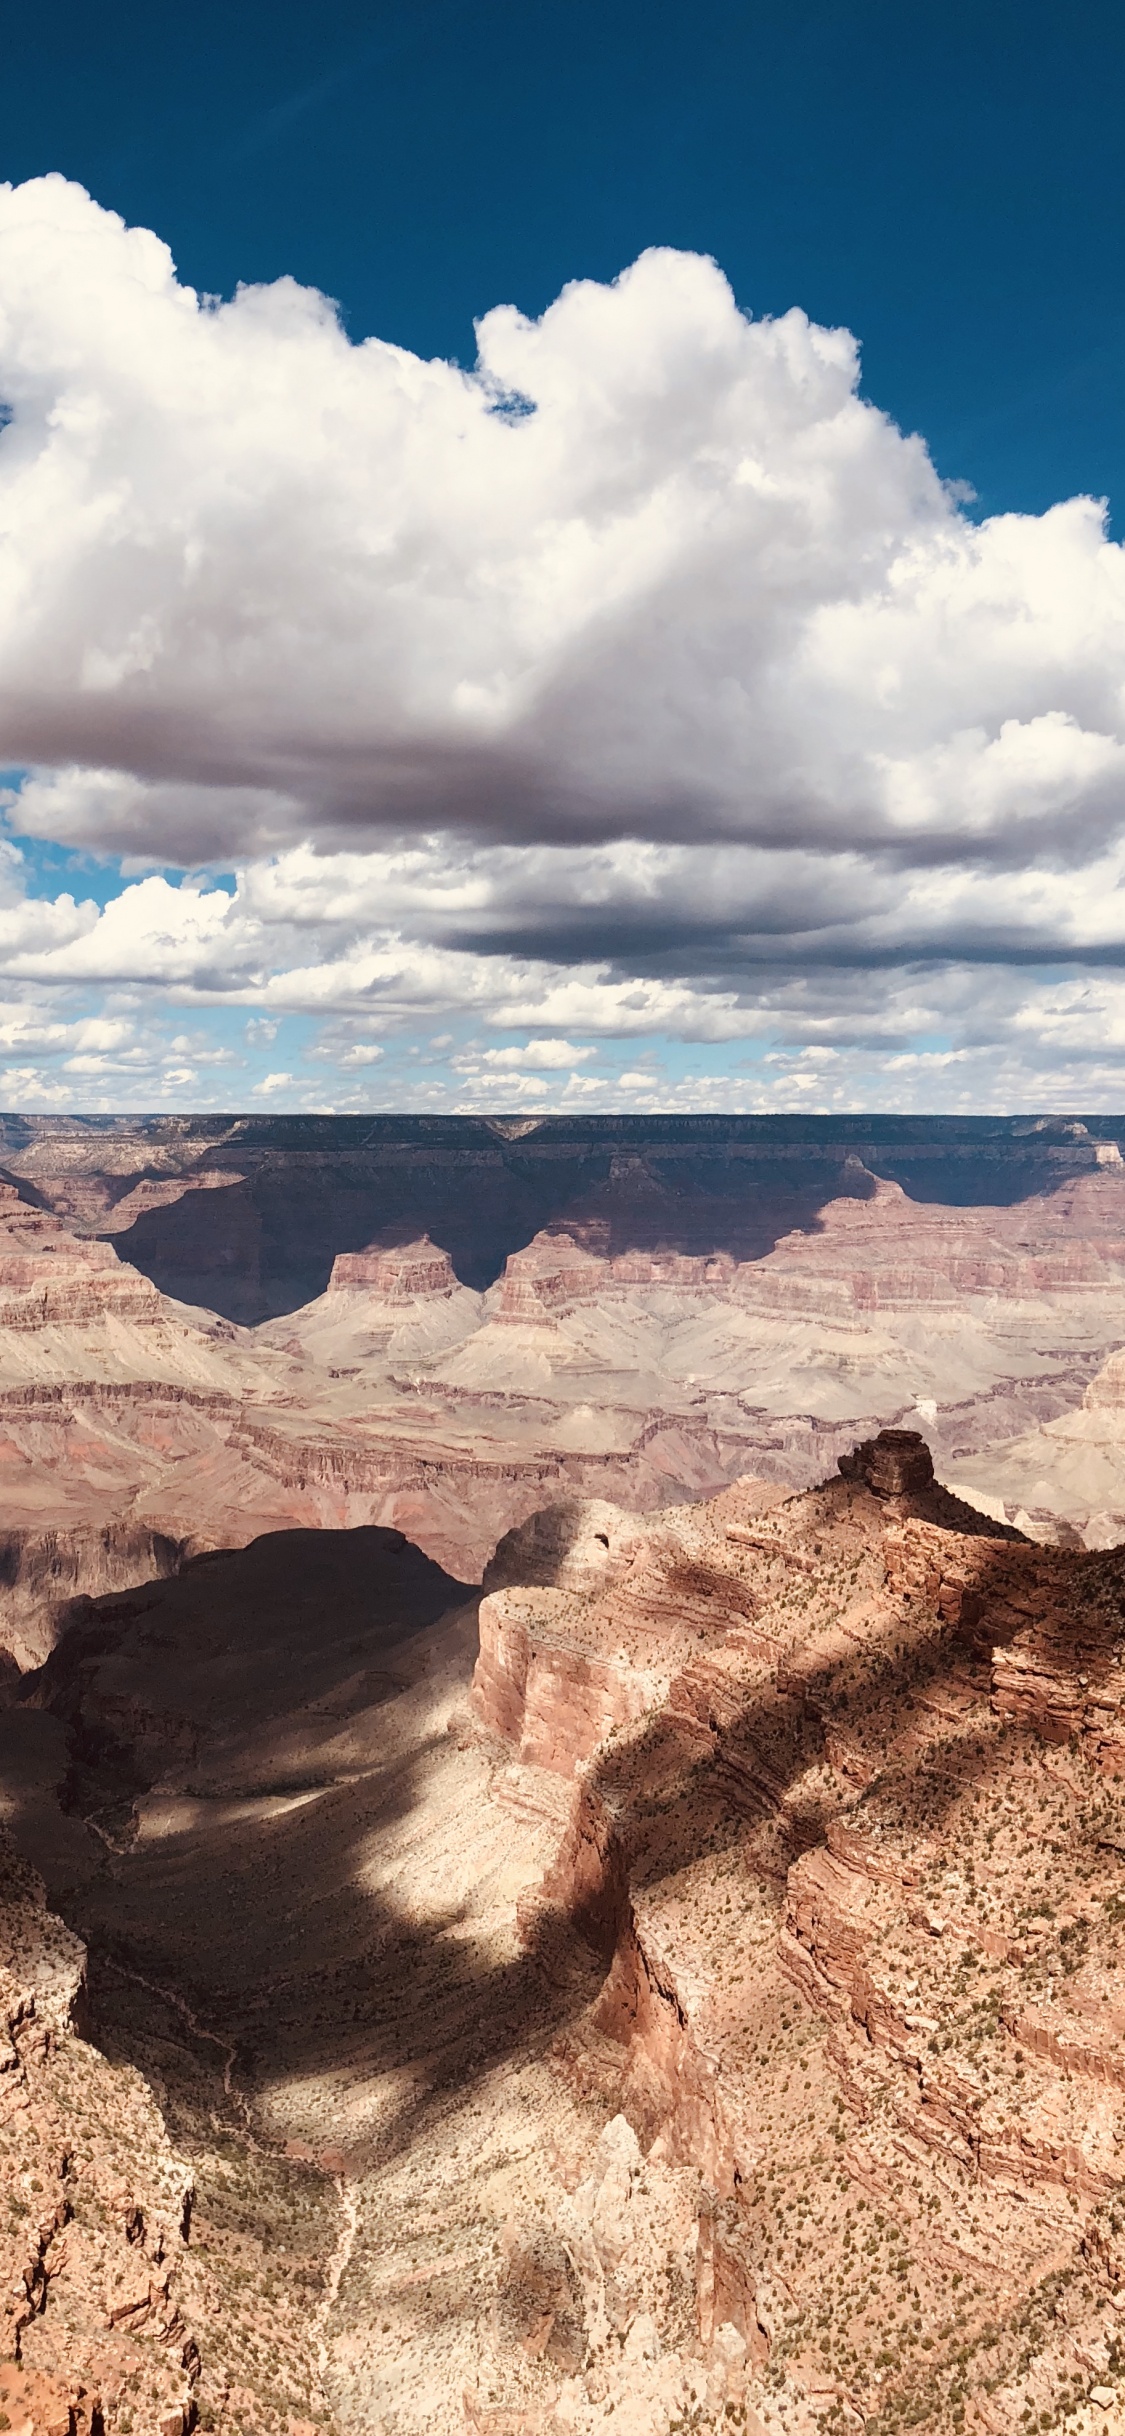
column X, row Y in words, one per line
column 246, row 1214
column 135, row 2296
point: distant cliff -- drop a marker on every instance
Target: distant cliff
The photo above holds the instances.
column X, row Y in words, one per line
column 246, row 1214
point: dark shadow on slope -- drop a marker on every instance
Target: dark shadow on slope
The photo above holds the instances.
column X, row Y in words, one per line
column 270, row 1690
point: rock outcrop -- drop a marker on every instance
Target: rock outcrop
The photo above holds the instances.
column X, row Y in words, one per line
column 246, row 1214
column 43, row 1572
column 135, row 2294
column 404, row 1274
column 130, row 1424
column 824, row 1845
column 98, row 2204
column 897, row 1463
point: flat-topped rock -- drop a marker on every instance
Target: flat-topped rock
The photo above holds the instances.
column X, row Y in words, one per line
column 402, row 1274
column 897, row 1463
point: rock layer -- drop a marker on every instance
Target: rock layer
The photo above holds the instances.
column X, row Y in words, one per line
column 671, row 1330
column 246, row 1214
column 844, row 1788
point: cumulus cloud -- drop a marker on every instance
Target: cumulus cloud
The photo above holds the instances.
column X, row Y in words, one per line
column 542, row 1055
column 643, row 683
column 258, row 583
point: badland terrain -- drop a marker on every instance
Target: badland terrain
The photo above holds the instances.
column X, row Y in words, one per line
column 555, row 1875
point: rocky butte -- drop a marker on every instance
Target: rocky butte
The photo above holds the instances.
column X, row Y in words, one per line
column 678, row 1985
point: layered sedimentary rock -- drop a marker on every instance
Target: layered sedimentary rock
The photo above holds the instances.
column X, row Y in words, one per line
column 713, row 2019
column 403, row 1397
column 246, row 1214
column 613, row 1356
column 404, row 1274
column 42, row 1572
column 130, row 1423
column 1066, row 1477
column 852, row 1849
column 98, row 2206
column 979, row 1320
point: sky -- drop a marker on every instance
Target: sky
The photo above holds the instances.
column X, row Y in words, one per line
column 562, row 557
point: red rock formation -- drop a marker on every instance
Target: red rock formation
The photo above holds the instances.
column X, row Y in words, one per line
column 551, row 1275
column 835, row 1791
column 397, row 1276
column 247, row 1213
column 123, row 2297
column 897, row 1463
column 879, row 1253
column 803, row 2098
column 98, row 2204
column 51, row 1278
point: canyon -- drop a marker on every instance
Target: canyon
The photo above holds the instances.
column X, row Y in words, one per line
column 678, row 1986
column 708, row 1300
column 562, row 1776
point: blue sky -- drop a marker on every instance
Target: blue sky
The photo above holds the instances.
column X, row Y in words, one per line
column 945, row 179
column 483, row 768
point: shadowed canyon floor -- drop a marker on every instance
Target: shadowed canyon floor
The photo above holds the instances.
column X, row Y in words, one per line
column 701, row 2008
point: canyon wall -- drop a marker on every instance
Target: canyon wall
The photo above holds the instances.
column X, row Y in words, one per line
column 879, row 1768
column 245, row 1214
column 608, row 1358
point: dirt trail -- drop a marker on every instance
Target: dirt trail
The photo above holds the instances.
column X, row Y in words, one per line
column 337, row 2269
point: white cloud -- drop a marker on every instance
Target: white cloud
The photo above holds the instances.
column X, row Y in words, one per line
column 258, row 583
column 541, row 1054
column 690, row 706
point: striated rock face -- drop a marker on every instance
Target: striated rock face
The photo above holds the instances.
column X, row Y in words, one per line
column 1067, row 1478
column 43, row 1572
column 98, row 2205
column 51, row 1278
column 128, row 1422
column 247, row 1213
column 883, row 1251
column 777, row 1364
column 686, row 1315
column 402, row 1275
column 566, row 1547
column 553, row 1274
column 119, row 2274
